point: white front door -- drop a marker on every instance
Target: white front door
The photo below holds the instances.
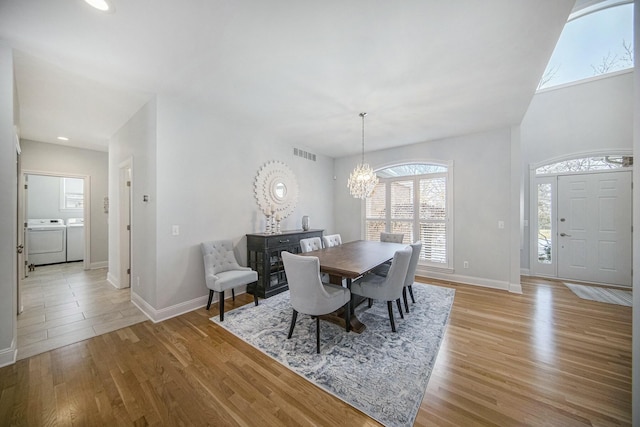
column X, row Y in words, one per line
column 594, row 227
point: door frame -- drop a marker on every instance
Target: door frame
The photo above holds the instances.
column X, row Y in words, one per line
column 551, row 270
column 125, row 210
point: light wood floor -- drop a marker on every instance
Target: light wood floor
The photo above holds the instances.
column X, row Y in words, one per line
column 65, row 304
column 542, row 358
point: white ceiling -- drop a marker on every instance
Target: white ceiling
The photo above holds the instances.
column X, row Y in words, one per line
column 296, row 71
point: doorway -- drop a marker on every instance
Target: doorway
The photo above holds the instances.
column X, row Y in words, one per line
column 581, row 221
column 60, row 197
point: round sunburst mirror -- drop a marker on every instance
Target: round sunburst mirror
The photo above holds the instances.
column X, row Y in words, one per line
column 276, row 189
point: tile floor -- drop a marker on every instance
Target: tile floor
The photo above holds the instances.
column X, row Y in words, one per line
column 64, row 304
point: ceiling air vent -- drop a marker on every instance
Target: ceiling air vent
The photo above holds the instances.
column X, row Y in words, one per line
column 304, row 154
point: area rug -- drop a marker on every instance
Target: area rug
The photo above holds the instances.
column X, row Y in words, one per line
column 608, row 295
column 381, row 373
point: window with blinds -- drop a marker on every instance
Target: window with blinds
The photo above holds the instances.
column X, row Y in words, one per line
column 413, row 200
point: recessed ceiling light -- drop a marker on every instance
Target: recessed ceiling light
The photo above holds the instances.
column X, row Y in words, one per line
column 101, row 5
column 63, row 138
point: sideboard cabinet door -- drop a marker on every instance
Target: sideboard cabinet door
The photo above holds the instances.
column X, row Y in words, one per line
column 264, row 256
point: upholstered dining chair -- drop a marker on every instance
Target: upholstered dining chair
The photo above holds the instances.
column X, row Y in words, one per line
column 391, row 237
column 416, row 248
column 309, row 295
column 388, row 288
column 310, row 244
column 331, row 240
column 222, row 272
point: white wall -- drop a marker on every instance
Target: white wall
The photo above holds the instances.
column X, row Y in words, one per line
column 482, row 197
column 8, row 209
column 135, row 141
column 44, row 198
column 199, row 173
column 591, row 116
column 57, row 159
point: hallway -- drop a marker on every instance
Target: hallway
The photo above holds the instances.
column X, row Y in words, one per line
column 65, row 304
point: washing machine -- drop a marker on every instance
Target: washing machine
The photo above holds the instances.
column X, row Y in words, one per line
column 75, row 239
column 46, row 241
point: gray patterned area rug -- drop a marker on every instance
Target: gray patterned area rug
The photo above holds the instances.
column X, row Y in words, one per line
column 608, row 295
column 381, row 373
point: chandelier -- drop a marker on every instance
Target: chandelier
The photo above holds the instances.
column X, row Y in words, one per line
column 363, row 179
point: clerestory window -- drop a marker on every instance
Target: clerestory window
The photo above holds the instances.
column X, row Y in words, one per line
column 596, row 40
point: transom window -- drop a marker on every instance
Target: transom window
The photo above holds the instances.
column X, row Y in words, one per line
column 413, row 199
column 586, row 164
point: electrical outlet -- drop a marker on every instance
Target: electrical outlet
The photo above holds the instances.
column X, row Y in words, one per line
column 175, row 230
column 466, row 264
column 501, row 224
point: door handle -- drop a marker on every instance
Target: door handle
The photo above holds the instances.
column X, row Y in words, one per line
column 20, row 249
column 565, row 235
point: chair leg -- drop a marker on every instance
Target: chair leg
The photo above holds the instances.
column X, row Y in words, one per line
column 221, row 304
column 233, row 294
column 317, row 334
column 210, row 299
column 390, row 307
column 404, row 296
column 370, row 302
column 293, row 323
column 413, row 300
column 400, row 308
column 347, row 316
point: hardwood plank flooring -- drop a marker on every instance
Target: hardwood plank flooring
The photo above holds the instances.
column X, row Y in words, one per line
column 545, row 357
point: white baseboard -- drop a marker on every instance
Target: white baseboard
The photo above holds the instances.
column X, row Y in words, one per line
column 176, row 310
column 515, row 288
column 469, row 280
column 98, row 265
column 9, row 355
column 168, row 312
column 525, row 272
column 114, row 281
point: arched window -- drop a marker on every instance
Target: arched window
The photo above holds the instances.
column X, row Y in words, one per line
column 596, row 40
column 414, row 199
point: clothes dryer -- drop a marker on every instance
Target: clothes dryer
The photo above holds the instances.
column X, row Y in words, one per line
column 46, row 241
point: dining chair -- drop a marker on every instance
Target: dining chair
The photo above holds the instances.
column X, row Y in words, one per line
column 388, row 288
column 416, row 248
column 309, row 295
column 391, row 237
column 310, row 244
column 331, row 240
column 222, row 272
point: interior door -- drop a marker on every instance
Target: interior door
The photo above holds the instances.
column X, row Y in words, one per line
column 594, row 227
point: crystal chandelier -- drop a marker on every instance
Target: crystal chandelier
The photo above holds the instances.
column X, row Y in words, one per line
column 363, row 179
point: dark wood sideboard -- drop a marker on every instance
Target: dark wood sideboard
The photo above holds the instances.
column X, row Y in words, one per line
column 263, row 256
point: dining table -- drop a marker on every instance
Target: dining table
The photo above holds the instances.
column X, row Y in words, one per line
column 349, row 261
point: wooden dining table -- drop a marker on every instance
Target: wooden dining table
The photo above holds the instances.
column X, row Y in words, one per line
column 349, row 261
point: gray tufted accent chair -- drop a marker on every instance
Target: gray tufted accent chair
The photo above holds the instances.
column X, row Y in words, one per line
column 222, row 272
column 332, row 240
column 309, row 295
column 310, row 244
column 391, row 237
